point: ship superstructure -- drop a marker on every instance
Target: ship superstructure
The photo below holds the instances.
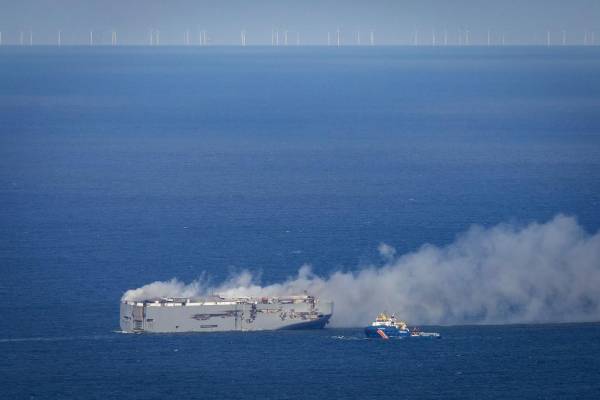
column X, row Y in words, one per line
column 216, row 314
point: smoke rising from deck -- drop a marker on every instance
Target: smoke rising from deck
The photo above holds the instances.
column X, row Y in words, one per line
column 546, row 272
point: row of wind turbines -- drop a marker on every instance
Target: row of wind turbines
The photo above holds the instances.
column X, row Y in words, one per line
column 27, row 39
column 462, row 37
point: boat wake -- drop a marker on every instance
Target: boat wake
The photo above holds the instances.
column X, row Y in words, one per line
column 55, row 338
column 341, row 337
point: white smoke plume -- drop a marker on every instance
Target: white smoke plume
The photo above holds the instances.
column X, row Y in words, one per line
column 546, row 272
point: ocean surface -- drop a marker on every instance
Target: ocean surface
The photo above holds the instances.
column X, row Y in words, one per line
column 123, row 166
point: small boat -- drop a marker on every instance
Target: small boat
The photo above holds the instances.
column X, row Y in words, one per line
column 387, row 326
column 416, row 332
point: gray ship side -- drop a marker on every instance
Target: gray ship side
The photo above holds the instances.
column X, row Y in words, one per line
column 218, row 314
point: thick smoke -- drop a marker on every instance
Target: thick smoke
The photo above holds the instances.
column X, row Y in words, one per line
column 506, row 274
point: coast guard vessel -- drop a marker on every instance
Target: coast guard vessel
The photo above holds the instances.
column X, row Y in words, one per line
column 217, row 314
column 386, row 327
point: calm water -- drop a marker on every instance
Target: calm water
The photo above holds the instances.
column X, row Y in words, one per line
column 531, row 362
column 123, row 166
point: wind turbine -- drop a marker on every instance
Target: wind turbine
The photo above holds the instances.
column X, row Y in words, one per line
column 328, row 38
column 187, row 37
column 285, row 38
column 0, row 38
column 21, row 38
column 358, row 38
column 113, row 39
column 433, row 37
column 467, row 38
column 297, row 38
column 151, row 37
column 372, row 38
column 564, row 37
column 59, row 38
column 243, row 37
column 31, row 38
column 489, row 37
column 339, row 43
column 416, row 37
column 445, row 37
column 91, row 38
column 548, row 39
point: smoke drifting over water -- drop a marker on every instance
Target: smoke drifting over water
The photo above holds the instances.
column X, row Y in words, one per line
column 506, row 274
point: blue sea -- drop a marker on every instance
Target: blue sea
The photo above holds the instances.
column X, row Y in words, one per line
column 123, row 166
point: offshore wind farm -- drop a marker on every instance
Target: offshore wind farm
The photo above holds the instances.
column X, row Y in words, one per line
column 201, row 37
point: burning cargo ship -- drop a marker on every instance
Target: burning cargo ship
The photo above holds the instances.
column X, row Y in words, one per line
column 218, row 314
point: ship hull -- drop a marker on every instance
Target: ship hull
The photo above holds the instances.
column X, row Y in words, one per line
column 389, row 331
column 173, row 317
column 318, row 323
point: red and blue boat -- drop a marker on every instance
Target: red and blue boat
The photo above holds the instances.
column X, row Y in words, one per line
column 388, row 326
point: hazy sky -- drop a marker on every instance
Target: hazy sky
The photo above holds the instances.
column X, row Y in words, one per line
column 393, row 21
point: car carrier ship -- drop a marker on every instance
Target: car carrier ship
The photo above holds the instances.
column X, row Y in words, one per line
column 217, row 314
